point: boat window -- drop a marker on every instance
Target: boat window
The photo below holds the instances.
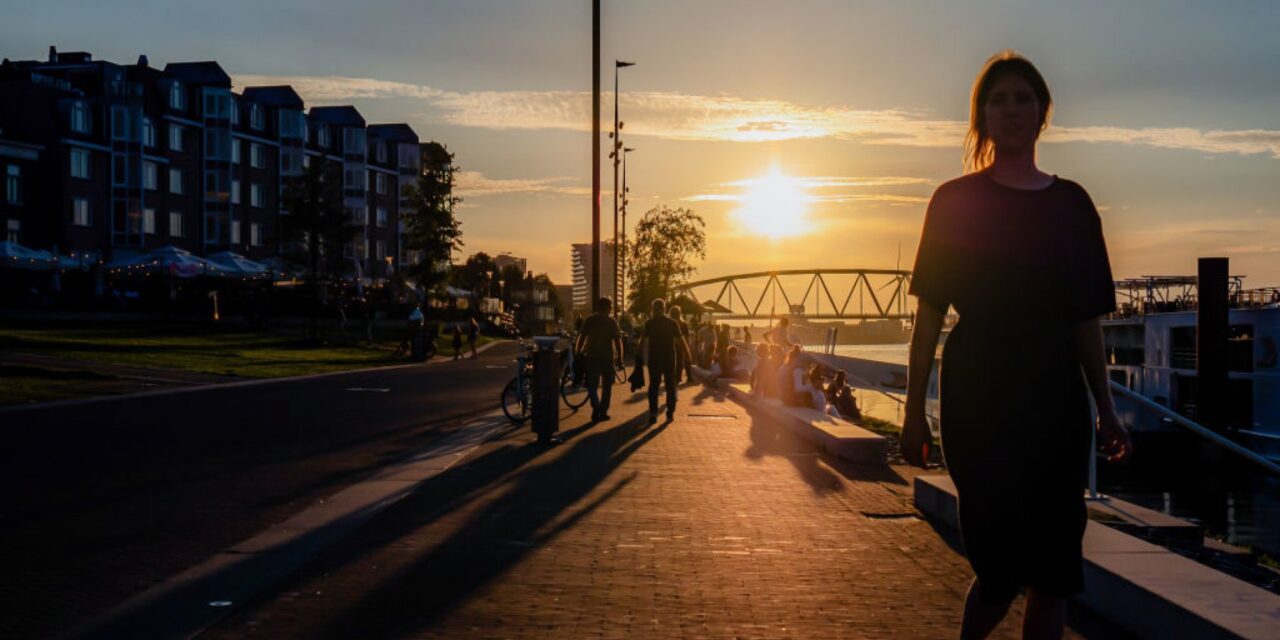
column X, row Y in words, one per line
column 1240, row 347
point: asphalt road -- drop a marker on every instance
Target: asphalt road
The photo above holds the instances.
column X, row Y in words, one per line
column 102, row 499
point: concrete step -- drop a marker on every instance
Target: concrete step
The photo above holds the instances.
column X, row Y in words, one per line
column 1148, row 523
column 1149, row 590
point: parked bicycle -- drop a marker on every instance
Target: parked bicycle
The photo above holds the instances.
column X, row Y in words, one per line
column 517, row 396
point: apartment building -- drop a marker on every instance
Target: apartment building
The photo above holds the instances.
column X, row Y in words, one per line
column 111, row 160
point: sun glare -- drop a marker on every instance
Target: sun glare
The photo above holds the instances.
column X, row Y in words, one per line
column 774, row 205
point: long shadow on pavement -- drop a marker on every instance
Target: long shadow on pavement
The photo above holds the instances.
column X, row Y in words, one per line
column 528, row 515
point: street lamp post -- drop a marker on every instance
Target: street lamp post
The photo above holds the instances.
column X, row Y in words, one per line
column 622, row 273
column 615, row 155
column 595, row 150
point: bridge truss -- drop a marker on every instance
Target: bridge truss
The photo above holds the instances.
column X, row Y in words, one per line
column 886, row 301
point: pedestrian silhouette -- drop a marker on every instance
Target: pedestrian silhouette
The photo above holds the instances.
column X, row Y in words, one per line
column 1015, row 414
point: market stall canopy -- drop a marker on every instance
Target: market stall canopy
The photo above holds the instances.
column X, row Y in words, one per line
column 17, row 256
column 172, row 261
column 238, row 265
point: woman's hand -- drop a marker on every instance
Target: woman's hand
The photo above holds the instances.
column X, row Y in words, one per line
column 1113, row 437
column 916, row 439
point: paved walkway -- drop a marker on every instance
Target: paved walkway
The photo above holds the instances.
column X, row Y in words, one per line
column 715, row 525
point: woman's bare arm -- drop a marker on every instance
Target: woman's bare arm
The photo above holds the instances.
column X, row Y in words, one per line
column 1089, row 351
column 1113, row 438
column 916, row 438
column 924, row 344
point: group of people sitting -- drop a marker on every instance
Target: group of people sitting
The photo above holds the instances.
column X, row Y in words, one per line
column 711, row 350
column 784, row 376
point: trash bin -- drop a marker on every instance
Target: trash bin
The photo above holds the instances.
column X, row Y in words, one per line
column 546, row 388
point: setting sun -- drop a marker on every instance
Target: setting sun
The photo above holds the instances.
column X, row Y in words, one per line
column 774, row 205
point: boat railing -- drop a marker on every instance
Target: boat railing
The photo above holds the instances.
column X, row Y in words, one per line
column 1182, row 421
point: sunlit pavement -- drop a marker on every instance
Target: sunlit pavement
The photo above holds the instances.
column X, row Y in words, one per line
column 714, row 525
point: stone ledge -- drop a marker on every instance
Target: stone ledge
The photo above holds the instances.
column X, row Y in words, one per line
column 1148, row 590
column 839, row 437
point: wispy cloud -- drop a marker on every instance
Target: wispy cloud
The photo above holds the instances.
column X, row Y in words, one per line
column 740, row 190
column 472, row 184
column 730, row 118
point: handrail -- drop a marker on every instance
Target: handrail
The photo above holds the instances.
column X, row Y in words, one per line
column 1196, row 428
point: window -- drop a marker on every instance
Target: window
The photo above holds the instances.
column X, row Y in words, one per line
column 380, row 250
column 235, row 151
column 257, row 156
column 257, row 196
column 80, row 163
column 215, row 186
column 148, row 132
column 149, row 221
column 256, row 118
column 150, row 176
column 175, row 224
column 290, row 160
column 235, row 192
column 12, row 230
column 360, row 215
column 176, row 98
column 175, row 182
column 235, row 232
column 80, row 122
column 322, row 136
column 381, row 181
column 217, row 104
column 291, row 125
column 175, row 137
column 13, row 184
column 235, row 111
column 120, row 129
column 409, row 158
column 80, row 214
column 120, row 174
column 353, row 142
column 382, row 216
column 381, row 151
column 354, row 179
column 255, row 234
column 217, row 144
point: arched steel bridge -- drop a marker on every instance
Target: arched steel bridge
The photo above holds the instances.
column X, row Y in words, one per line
column 887, row 301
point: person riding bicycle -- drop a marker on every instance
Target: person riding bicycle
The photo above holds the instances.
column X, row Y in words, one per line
column 601, row 343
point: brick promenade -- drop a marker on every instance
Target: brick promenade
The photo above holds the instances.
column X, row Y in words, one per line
column 717, row 525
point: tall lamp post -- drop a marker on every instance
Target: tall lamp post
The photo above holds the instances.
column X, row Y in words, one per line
column 615, row 155
column 595, row 150
column 622, row 275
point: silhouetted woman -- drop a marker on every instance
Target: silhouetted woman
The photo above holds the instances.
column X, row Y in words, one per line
column 1020, row 254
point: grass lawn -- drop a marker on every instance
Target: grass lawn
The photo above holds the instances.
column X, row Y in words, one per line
column 237, row 353
column 26, row 385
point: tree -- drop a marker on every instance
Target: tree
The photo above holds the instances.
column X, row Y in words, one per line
column 317, row 228
column 667, row 241
column 429, row 223
column 473, row 275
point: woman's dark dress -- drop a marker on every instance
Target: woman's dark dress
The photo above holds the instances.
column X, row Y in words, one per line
column 1022, row 268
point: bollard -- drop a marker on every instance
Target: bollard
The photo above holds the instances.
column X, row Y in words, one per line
column 546, row 389
column 417, row 336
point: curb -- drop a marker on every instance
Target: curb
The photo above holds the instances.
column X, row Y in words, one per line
column 190, row 602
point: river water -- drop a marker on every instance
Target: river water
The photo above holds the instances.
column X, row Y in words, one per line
column 1173, row 473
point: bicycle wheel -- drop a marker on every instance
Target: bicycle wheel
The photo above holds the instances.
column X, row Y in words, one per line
column 515, row 404
column 573, row 394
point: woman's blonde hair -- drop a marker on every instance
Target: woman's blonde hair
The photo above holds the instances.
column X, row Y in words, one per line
column 979, row 152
